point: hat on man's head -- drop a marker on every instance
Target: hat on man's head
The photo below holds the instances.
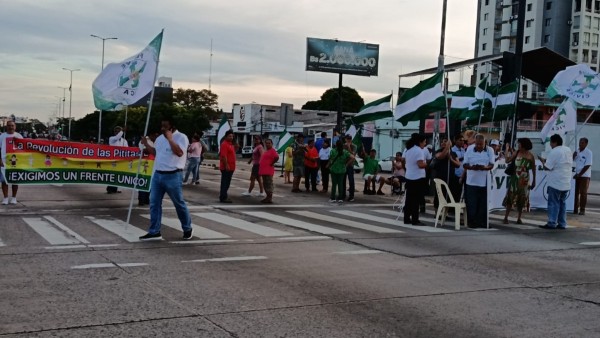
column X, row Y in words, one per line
column 494, row 143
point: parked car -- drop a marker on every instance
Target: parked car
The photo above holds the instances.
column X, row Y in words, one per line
column 385, row 165
column 246, row 151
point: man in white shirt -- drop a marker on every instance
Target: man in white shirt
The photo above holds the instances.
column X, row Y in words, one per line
column 479, row 160
column 170, row 150
column 583, row 174
column 117, row 140
column 5, row 139
column 560, row 166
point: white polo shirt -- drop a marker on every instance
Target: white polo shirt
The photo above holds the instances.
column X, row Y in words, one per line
column 412, row 156
column 560, row 165
column 165, row 159
column 478, row 178
column 582, row 159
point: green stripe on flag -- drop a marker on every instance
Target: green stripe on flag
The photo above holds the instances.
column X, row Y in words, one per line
column 375, row 110
column 285, row 140
column 421, row 100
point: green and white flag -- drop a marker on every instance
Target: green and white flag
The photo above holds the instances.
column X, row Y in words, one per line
column 285, row 140
column 579, row 83
column 421, row 100
column 126, row 82
column 562, row 121
column 464, row 104
column 375, row 110
column 504, row 102
column 485, row 93
column 223, row 128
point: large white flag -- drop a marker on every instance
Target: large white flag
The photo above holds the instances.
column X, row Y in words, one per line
column 127, row 82
column 562, row 121
column 579, row 83
column 223, row 128
column 285, row 140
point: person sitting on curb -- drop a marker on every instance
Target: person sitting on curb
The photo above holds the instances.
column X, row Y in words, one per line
column 370, row 173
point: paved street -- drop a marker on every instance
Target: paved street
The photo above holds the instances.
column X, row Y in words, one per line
column 71, row 267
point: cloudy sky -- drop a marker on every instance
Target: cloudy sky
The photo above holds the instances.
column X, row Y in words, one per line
column 259, row 46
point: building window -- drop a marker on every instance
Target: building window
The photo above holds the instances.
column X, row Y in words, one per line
column 549, row 5
column 485, row 31
column 594, row 40
column 484, row 46
column 527, row 39
column 485, row 16
column 575, row 39
column 481, row 76
column 529, row 7
column 546, row 38
column 487, row 2
column 547, row 22
column 586, row 39
column 596, row 24
column 529, row 23
column 587, row 21
column 576, row 21
column 524, row 88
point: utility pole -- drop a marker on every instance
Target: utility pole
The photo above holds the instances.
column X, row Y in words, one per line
column 100, row 115
column 440, row 68
column 70, row 96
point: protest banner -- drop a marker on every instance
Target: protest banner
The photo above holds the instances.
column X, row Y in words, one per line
column 538, row 197
column 37, row 161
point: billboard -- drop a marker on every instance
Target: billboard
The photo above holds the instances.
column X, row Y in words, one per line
column 334, row 56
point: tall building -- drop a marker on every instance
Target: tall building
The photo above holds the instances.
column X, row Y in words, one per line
column 585, row 32
column 548, row 23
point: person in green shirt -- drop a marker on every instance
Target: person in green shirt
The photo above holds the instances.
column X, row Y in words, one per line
column 370, row 174
column 339, row 159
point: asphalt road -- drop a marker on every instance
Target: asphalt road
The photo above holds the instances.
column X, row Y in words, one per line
column 71, row 267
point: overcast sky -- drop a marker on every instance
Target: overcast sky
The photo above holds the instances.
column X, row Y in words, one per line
column 259, row 47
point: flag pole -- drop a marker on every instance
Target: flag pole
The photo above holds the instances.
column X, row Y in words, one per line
column 494, row 111
column 580, row 128
column 145, row 130
column 440, row 68
column 393, row 129
column 125, row 125
column 483, row 103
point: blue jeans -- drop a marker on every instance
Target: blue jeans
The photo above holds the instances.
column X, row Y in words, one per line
column 477, row 208
column 192, row 168
column 170, row 184
column 350, row 175
column 225, row 182
column 557, row 207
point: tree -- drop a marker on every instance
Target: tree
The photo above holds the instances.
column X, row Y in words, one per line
column 351, row 101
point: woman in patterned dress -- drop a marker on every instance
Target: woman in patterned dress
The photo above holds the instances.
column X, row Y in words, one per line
column 517, row 194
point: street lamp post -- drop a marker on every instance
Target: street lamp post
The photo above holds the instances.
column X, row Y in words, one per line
column 100, row 115
column 64, row 99
column 70, row 96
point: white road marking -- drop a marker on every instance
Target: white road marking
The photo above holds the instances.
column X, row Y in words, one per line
column 205, row 241
column 67, row 230
column 345, row 222
column 304, row 238
column 126, row 231
column 296, row 206
column 2, row 243
column 200, row 232
column 512, row 219
column 243, row 225
column 358, row 252
column 106, row 265
column 128, row 265
column 226, row 259
column 61, row 247
column 389, row 221
column 590, row 243
column 296, row 223
column 49, row 233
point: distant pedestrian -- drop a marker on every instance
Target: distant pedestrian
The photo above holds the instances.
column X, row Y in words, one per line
column 267, row 169
column 298, row 151
column 398, row 174
column 339, row 159
column 117, row 140
column 324, row 155
column 583, row 174
column 194, row 152
column 287, row 166
column 371, row 174
column 169, row 150
column 559, row 165
column 458, row 153
column 311, row 166
column 254, row 176
column 479, row 160
column 520, row 183
column 226, row 165
column 352, row 149
column 5, row 139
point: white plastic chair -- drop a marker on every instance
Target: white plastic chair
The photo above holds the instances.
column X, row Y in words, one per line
column 444, row 205
column 399, row 203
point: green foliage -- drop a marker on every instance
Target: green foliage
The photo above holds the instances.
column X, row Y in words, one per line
column 191, row 112
column 351, row 101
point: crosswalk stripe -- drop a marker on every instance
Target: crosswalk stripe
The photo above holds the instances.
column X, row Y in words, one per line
column 50, row 233
column 200, row 232
column 296, row 223
column 226, row 259
column 243, row 225
column 421, row 218
column 67, row 230
column 345, row 222
column 388, row 220
column 126, row 231
column 2, row 243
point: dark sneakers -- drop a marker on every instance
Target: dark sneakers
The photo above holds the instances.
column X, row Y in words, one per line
column 187, row 235
column 151, row 237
